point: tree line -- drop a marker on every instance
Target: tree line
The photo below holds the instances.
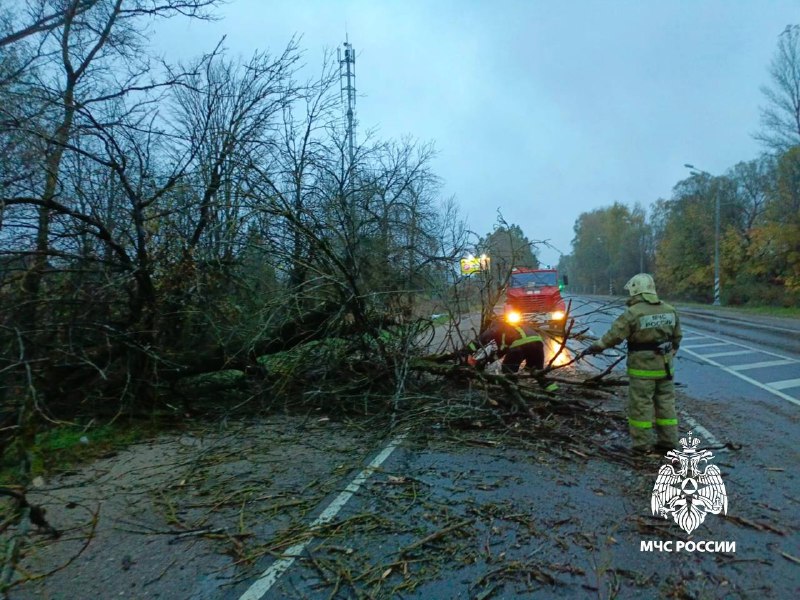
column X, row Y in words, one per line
column 160, row 220
column 759, row 218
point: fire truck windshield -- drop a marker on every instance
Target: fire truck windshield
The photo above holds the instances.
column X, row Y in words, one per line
column 543, row 278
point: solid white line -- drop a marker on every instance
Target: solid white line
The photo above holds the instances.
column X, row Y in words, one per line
column 784, row 384
column 268, row 578
column 745, row 377
column 731, row 353
column 761, row 365
column 696, row 427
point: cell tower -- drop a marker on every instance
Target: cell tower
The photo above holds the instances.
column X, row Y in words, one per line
column 347, row 74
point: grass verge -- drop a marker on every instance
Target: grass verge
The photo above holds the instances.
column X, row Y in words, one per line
column 63, row 448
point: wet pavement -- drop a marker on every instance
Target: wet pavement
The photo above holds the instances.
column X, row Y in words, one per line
column 538, row 524
column 541, row 510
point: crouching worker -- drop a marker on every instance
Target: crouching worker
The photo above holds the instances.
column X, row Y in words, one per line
column 514, row 344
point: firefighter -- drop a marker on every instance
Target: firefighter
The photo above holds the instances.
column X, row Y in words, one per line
column 653, row 332
column 512, row 343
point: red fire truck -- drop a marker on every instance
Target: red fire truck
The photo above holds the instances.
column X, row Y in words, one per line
column 534, row 296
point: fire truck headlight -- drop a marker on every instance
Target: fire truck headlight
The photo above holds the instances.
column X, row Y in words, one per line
column 513, row 317
column 558, row 315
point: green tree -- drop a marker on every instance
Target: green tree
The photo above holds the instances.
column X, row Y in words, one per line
column 508, row 248
column 610, row 245
column 686, row 233
column 775, row 251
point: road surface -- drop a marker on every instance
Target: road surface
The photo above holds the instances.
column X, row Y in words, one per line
column 540, row 523
column 538, row 509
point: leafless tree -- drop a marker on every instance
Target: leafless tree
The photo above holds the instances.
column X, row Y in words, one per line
column 88, row 85
column 780, row 117
column 162, row 220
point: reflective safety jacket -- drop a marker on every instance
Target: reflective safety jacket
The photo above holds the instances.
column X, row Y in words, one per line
column 507, row 336
column 646, row 326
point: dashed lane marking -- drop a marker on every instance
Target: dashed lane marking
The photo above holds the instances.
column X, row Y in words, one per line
column 268, row 578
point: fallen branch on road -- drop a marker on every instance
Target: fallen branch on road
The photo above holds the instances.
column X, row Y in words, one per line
column 754, row 525
column 436, row 536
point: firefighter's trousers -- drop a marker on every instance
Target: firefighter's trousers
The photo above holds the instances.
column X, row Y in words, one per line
column 651, row 404
column 532, row 353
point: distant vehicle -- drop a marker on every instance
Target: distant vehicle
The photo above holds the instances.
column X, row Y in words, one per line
column 534, row 296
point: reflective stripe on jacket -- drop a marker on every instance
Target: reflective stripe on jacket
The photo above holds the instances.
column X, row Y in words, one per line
column 646, row 323
column 508, row 336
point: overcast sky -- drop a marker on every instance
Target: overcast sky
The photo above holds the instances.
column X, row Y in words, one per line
column 542, row 110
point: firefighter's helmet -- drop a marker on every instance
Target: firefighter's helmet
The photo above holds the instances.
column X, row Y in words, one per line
column 642, row 284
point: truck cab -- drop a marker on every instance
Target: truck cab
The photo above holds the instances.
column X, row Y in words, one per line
column 534, row 296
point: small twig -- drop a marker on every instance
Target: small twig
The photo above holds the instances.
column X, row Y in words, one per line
column 755, row 525
column 607, row 371
column 160, row 575
column 185, row 534
column 436, row 535
column 794, row 559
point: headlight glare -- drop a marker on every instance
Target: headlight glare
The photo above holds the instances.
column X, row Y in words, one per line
column 513, row 317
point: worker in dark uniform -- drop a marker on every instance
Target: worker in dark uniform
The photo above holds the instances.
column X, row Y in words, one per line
column 653, row 332
column 514, row 343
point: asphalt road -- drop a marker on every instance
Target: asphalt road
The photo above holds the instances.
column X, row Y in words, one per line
column 763, row 353
column 312, row 508
column 506, row 522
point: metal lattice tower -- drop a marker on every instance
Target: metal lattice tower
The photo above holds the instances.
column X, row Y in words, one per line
column 347, row 74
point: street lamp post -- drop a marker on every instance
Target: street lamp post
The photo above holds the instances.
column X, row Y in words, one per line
column 716, row 235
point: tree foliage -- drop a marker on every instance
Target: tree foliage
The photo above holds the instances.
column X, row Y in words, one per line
column 610, row 245
column 508, row 247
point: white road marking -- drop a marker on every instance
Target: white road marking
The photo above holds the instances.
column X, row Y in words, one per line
column 745, row 377
column 719, row 339
column 268, row 578
column 731, row 353
column 784, row 384
column 762, row 365
column 696, row 427
column 734, row 322
column 707, row 345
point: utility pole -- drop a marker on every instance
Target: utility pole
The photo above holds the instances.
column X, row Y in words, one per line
column 716, row 229
column 716, row 249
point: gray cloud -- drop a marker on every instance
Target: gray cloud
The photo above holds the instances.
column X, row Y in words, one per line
column 541, row 109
